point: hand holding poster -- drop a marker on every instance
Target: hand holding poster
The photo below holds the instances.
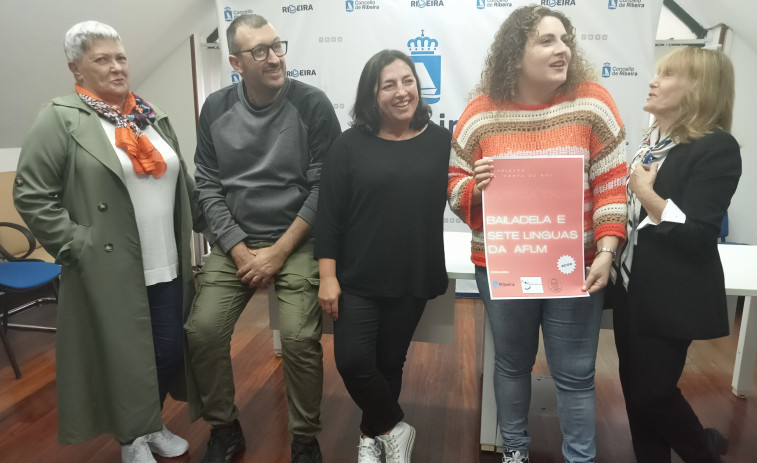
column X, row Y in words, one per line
column 533, row 227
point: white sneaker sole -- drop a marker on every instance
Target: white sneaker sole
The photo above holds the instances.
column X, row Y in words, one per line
column 410, row 443
column 170, row 454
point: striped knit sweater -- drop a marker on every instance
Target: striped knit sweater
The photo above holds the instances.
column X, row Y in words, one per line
column 588, row 124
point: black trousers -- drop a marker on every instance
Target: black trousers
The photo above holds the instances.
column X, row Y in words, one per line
column 659, row 416
column 167, row 318
column 371, row 338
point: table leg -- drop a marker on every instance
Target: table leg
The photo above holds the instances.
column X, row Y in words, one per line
column 746, row 352
column 276, row 342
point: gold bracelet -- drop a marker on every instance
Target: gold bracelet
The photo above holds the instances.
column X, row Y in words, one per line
column 610, row 250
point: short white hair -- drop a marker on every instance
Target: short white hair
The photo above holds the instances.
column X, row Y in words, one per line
column 81, row 36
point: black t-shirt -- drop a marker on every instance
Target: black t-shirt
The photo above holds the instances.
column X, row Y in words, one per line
column 380, row 213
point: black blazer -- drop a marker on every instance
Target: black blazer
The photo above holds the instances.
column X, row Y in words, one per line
column 677, row 288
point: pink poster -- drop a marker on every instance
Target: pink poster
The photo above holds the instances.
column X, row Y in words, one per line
column 533, row 227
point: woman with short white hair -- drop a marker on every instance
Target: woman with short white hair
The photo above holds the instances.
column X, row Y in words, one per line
column 103, row 187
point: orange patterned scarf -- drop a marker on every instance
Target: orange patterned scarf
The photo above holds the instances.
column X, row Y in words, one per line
column 145, row 158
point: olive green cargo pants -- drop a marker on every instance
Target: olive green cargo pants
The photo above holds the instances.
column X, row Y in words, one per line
column 219, row 302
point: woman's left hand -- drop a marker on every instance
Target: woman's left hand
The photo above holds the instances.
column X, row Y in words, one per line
column 642, row 177
column 598, row 274
column 328, row 296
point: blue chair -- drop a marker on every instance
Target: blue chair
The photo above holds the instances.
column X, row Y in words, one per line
column 724, row 228
column 19, row 275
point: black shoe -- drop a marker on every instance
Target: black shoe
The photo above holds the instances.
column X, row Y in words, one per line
column 717, row 444
column 225, row 442
column 306, row 453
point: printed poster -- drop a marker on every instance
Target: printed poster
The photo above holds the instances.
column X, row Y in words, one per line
column 533, row 227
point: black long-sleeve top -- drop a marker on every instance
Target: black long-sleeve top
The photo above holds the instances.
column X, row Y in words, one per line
column 677, row 287
column 380, row 213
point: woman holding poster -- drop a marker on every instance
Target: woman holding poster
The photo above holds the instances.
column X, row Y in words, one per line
column 379, row 243
column 672, row 289
column 536, row 98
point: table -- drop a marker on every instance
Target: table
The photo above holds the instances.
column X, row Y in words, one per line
column 740, row 269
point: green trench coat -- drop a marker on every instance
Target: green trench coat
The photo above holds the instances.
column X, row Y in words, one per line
column 70, row 190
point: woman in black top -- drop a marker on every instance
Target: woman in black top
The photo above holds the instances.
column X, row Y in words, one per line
column 672, row 289
column 379, row 243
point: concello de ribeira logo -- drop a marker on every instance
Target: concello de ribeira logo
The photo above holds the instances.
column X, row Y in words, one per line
column 483, row 4
column 356, row 5
column 617, row 4
column 608, row 70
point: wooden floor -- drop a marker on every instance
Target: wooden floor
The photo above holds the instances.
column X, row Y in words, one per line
column 441, row 398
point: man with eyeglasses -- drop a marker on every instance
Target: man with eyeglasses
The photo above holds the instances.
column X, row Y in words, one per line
column 260, row 148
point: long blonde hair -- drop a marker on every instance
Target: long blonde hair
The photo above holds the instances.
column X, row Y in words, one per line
column 707, row 100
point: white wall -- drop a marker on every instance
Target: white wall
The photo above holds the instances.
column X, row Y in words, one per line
column 742, row 219
column 670, row 27
column 741, row 46
column 170, row 85
column 33, row 68
column 9, row 158
column 209, row 64
column 170, row 88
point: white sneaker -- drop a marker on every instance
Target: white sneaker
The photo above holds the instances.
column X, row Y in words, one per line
column 514, row 456
column 137, row 452
column 398, row 444
column 368, row 451
column 166, row 444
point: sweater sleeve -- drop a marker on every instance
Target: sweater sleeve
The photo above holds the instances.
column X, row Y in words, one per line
column 464, row 152
column 332, row 201
column 323, row 128
column 607, row 165
column 211, row 194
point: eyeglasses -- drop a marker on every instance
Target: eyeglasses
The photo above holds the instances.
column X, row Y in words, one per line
column 260, row 52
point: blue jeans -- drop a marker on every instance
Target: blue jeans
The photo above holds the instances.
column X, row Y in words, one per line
column 570, row 327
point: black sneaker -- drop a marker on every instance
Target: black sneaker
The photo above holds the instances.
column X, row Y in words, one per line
column 717, row 444
column 306, row 453
column 225, row 442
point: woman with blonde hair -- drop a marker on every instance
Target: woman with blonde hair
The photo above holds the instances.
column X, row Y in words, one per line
column 671, row 289
column 536, row 98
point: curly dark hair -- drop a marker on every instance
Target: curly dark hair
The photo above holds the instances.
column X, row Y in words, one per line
column 499, row 78
column 366, row 115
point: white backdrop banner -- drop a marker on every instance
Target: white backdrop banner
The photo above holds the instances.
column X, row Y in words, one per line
column 331, row 40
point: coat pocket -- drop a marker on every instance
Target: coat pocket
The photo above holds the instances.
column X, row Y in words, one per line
column 70, row 253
